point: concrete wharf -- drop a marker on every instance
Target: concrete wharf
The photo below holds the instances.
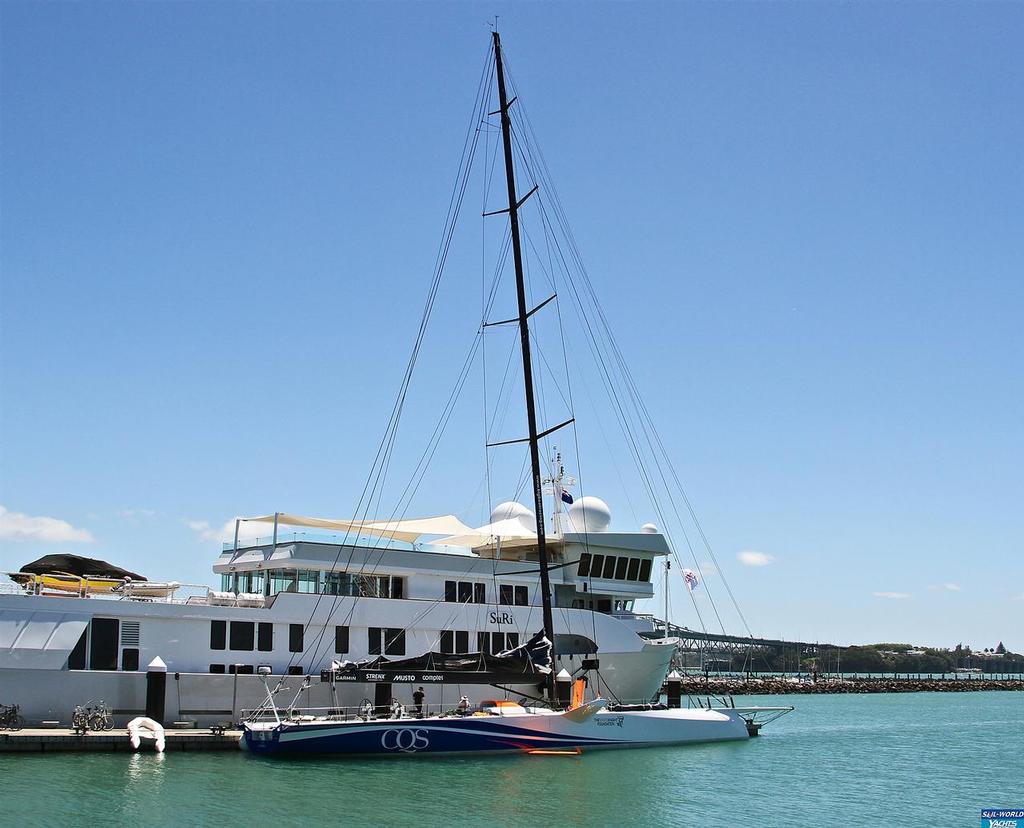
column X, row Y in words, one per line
column 52, row 740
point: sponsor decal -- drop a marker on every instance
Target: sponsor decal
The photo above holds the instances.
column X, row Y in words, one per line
column 610, row 721
column 406, row 740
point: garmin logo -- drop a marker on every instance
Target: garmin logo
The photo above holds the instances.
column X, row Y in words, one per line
column 501, row 618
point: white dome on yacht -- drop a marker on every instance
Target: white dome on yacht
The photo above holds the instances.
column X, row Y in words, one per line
column 590, row 514
column 511, row 510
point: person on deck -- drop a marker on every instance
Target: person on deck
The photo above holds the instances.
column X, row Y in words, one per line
column 417, row 699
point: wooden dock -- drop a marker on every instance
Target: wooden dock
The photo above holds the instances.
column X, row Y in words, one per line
column 52, row 740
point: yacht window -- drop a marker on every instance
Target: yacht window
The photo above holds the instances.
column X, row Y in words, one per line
column 338, row 583
column 103, row 644
column 241, row 669
column 634, row 569
column 645, row 569
column 497, row 642
column 479, row 593
column 242, row 634
column 465, row 592
column 397, row 587
column 76, row 660
column 522, row 596
column 295, row 638
column 447, row 641
column 218, row 634
column 595, row 566
column 283, row 580
column 130, row 659
column 450, row 593
column 577, row 603
column 308, row 581
column 609, row 567
column 226, row 584
column 265, row 637
column 505, row 594
column 511, row 640
column 373, row 636
column 395, row 642
column 461, row 641
column 341, row 639
column 295, row 670
column 216, row 668
column 604, row 605
column 620, row 569
column 483, row 640
column 584, row 569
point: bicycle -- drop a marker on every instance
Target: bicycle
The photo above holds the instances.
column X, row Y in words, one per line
column 10, row 717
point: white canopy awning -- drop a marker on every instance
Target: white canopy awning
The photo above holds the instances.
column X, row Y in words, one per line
column 508, row 529
column 403, row 530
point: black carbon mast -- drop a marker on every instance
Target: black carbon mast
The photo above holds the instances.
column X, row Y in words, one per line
column 524, row 335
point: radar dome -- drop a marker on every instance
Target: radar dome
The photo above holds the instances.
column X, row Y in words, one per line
column 510, row 510
column 649, row 529
column 590, row 514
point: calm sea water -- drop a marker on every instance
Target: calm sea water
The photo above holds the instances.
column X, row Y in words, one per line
column 907, row 759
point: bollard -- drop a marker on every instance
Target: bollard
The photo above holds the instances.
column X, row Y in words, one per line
column 674, row 690
column 156, row 689
column 563, row 687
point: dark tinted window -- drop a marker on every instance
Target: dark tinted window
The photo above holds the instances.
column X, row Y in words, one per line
column 450, row 593
column 620, row 568
column 511, row 640
column 373, row 640
column 609, row 567
column 265, row 637
column 595, row 566
column 483, row 641
column 76, row 660
column 241, row 669
column 294, row 670
column 584, row 569
column 341, row 639
column 395, row 643
column 465, row 592
column 461, row 641
column 447, row 641
column 130, row 659
column 216, row 668
column 295, row 638
column 243, row 634
column 397, row 587
column 522, row 596
column 103, row 646
column 218, row 634
column 505, row 594
column 645, row 569
column 634, row 569
column 480, row 593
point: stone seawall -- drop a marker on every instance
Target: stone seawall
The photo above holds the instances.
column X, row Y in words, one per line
column 759, row 687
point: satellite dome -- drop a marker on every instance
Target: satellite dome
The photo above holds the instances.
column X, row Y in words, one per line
column 510, row 510
column 649, row 529
column 590, row 514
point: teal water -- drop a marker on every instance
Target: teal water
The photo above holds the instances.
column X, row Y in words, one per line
column 909, row 759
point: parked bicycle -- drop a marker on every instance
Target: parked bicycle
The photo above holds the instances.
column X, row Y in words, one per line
column 10, row 717
column 86, row 717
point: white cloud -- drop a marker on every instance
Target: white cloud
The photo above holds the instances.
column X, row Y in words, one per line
column 952, row 587
column 748, row 557
column 226, row 532
column 137, row 513
column 1018, row 597
column 895, row 595
column 18, row 526
column 946, row 587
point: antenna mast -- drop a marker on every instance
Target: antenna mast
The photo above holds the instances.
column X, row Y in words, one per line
column 524, row 336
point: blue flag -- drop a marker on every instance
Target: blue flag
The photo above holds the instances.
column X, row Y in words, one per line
column 566, row 497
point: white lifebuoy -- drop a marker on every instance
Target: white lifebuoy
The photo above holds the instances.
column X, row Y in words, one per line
column 143, row 728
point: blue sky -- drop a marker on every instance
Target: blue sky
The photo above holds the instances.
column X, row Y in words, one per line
column 805, row 222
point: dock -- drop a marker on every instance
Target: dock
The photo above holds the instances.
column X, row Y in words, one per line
column 54, row 740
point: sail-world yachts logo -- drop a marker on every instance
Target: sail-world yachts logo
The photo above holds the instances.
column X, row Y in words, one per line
column 1002, row 818
column 405, row 740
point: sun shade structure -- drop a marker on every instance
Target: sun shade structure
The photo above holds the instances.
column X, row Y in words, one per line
column 508, row 529
column 79, row 566
column 403, row 530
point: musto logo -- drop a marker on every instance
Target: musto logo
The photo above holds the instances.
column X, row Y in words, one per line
column 405, row 739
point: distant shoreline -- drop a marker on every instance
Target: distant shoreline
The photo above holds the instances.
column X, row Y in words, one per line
column 775, row 686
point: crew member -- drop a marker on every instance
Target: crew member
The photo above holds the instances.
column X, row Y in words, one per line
column 417, row 699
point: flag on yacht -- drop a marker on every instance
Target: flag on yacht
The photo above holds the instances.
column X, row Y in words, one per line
column 692, row 582
column 566, row 497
